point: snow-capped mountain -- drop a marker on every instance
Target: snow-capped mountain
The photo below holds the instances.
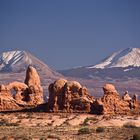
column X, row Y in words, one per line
column 123, row 58
column 121, row 64
column 14, row 61
column 18, row 61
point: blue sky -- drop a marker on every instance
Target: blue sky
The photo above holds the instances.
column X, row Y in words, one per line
column 69, row 33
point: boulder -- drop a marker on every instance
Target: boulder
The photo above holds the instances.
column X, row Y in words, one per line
column 109, row 89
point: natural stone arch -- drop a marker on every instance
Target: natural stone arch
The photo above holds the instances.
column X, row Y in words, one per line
column 18, row 90
column 13, row 91
column 18, row 85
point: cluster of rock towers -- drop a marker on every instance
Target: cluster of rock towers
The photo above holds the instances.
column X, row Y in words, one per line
column 64, row 96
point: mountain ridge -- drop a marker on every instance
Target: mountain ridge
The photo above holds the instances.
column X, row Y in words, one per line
column 122, row 58
column 18, row 61
column 123, row 64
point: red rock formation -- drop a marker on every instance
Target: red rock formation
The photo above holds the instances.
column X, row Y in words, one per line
column 35, row 90
column 111, row 102
column 17, row 95
column 7, row 102
column 65, row 96
column 68, row 96
column 135, row 102
column 97, row 107
column 18, row 90
column 55, row 94
column 126, row 97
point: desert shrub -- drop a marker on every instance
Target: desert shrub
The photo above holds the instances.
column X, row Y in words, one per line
column 42, row 139
column 93, row 119
column 11, row 124
column 53, row 136
column 100, row 129
column 89, row 119
column 4, row 138
column 23, row 138
column 29, row 115
column 130, row 125
column 5, row 123
column 84, row 130
column 21, row 117
column 136, row 137
column 93, row 129
column 15, row 138
column 86, row 121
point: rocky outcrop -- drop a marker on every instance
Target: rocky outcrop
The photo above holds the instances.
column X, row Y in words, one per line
column 35, row 91
column 109, row 89
column 64, row 96
column 7, row 102
column 126, row 97
column 56, row 90
column 18, row 91
column 135, row 102
column 112, row 103
column 17, row 95
column 68, row 96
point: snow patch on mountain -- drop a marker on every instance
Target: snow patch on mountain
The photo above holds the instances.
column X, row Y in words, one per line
column 10, row 59
column 123, row 58
column 125, row 70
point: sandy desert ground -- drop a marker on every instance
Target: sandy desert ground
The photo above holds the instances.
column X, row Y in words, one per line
column 50, row 126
